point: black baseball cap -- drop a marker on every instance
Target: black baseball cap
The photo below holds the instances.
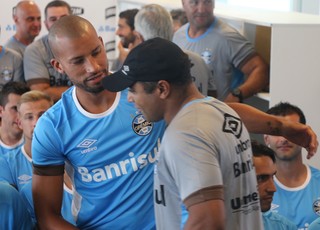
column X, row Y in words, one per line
column 153, row 60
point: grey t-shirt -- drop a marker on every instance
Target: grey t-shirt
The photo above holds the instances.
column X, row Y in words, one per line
column 223, row 49
column 14, row 44
column 206, row 145
column 11, row 67
column 200, row 73
column 37, row 66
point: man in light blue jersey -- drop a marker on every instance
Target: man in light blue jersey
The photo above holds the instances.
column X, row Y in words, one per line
column 298, row 193
column 107, row 142
column 16, row 164
column 11, row 136
column 265, row 164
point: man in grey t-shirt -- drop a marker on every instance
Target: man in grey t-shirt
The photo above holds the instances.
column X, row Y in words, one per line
column 204, row 163
column 27, row 18
column 152, row 21
column 227, row 53
column 39, row 73
column 11, row 68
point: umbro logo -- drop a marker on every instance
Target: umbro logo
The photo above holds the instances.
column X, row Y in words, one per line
column 86, row 143
column 232, row 125
column 274, row 206
column 23, row 179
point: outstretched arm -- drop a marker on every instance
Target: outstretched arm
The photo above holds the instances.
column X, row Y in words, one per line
column 47, row 194
column 257, row 121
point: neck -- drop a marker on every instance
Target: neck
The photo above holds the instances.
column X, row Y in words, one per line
column 178, row 99
column 9, row 138
column 24, row 40
column 292, row 173
column 95, row 103
column 27, row 147
column 195, row 31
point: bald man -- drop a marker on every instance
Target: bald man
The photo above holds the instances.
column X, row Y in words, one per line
column 27, row 17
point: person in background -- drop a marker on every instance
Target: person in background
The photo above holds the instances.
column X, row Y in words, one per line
column 11, row 67
column 11, row 136
column 16, row 165
column 127, row 38
column 27, row 18
column 298, row 194
column 265, row 166
column 199, row 167
column 38, row 71
column 227, row 53
column 13, row 211
column 179, row 18
column 152, row 21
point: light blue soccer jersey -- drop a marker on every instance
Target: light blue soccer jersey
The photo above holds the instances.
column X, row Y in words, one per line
column 26, row 193
column 13, row 211
column 301, row 205
column 274, row 221
column 16, row 168
column 112, row 155
column 6, row 148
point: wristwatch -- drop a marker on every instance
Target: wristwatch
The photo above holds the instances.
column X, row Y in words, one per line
column 237, row 93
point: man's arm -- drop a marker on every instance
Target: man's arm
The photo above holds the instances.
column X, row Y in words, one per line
column 206, row 215
column 47, row 194
column 257, row 72
column 53, row 91
column 257, row 121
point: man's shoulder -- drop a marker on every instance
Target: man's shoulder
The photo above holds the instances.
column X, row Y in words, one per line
column 315, row 172
column 276, row 219
column 11, row 52
column 36, row 46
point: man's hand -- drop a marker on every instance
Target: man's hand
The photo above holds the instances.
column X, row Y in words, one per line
column 300, row 134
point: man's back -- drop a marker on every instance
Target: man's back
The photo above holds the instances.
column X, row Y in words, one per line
column 206, row 146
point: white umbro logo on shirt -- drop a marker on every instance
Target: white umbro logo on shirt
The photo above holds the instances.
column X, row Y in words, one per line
column 86, row 143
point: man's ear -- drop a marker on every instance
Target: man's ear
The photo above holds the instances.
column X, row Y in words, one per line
column 164, row 89
column 138, row 39
column 57, row 66
column 19, row 123
column 101, row 40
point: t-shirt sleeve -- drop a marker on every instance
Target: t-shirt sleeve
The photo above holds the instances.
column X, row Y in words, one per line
column 34, row 66
column 47, row 147
column 194, row 163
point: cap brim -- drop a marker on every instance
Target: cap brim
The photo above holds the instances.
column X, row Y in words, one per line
column 116, row 82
